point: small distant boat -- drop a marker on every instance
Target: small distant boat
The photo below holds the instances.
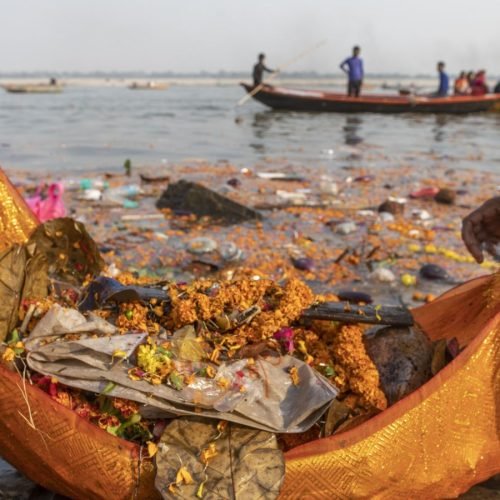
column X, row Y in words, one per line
column 148, row 86
column 33, row 88
column 314, row 100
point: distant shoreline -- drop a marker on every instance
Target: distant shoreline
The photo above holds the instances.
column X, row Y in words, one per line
column 338, row 81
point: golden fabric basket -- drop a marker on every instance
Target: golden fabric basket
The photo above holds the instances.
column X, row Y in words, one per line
column 435, row 443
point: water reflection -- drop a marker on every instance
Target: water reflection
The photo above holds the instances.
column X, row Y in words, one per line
column 439, row 128
column 351, row 130
column 262, row 123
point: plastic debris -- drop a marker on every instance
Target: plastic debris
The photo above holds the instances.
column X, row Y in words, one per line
column 346, row 228
column 201, row 245
column 383, row 275
column 421, row 214
column 49, row 206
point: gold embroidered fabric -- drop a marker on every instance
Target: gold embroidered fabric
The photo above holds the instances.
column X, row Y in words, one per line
column 437, row 442
column 16, row 219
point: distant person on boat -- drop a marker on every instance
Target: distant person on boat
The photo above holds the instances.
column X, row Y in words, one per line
column 353, row 67
column 461, row 86
column 258, row 70
column 470, row 77
column 444, row 81
column 53, row 81
column 479, row 86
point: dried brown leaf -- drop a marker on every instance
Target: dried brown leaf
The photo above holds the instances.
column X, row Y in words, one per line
column 337, row 414
column 248, row 463
column 70, row 251
column 22, row 276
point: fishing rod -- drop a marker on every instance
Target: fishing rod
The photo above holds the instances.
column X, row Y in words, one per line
column 259, row 87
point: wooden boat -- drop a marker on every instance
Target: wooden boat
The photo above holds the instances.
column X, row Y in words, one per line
column 33, row 88
column 281, row 98
column 148, row 86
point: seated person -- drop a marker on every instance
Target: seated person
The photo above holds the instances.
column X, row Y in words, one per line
column 461, row 86
column 496, row 90
column 479, row 86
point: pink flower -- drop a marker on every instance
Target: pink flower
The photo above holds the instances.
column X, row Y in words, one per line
column 285, row 337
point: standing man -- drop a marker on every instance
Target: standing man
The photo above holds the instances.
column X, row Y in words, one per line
column 353, row 67
column 258, row 70
column 444, row 81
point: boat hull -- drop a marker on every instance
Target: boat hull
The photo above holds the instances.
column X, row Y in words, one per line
column 281, row 98
column 33, row 89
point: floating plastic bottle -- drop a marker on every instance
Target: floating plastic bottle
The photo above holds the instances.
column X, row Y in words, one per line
column 124, row 195
column 73, row 184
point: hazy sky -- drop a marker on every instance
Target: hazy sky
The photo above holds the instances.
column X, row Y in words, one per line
column 192, row 35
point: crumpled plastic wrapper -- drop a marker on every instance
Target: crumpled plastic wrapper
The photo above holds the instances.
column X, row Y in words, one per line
column 89, row 363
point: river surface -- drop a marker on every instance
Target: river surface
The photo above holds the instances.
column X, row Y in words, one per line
column 92, row 127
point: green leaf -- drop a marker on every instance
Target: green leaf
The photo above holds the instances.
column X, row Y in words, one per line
column 109, row 387
column 176, row 380
column 113, row 429
column 14, row 337
column 329, row 371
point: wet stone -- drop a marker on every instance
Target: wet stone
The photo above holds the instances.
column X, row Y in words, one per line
column 446, row 196
column 392, row 207
column 194, row 198
column 403, row 357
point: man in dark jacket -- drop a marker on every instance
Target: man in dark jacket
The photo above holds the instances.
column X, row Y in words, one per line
column 258, row 70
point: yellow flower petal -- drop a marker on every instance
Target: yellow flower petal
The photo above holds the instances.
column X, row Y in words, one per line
column 183, row 476
column 152, row 449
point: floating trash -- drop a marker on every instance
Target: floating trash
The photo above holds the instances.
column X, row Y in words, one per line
column 383, row 275
column 230, row 252
column 201, row 245
column 346, row 228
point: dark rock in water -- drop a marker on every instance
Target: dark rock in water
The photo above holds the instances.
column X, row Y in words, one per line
column 194, row 198
column 354, row 296
column 303, row 263
column 393, row 207
column 353, row 139
column 403, row 357
column 446, row 196
column 434, row 272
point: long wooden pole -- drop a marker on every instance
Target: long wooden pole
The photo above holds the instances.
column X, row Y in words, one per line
column 259, row 87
